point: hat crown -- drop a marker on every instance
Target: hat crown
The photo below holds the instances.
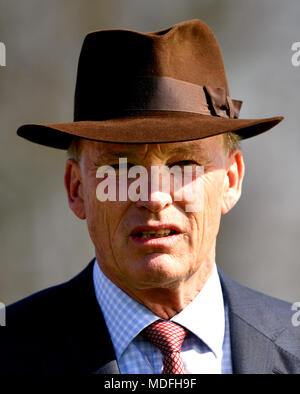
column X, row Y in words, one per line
column 111, row 60
column 165, row 86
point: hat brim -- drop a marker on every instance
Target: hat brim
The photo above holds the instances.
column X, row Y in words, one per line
column 146, row 127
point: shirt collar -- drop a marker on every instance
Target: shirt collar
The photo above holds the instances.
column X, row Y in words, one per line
column 125, row 318
column 204, row 316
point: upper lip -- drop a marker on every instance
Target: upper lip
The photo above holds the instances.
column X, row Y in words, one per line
column 169, row 226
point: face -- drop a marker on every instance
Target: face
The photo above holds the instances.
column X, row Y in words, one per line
column 155, row 243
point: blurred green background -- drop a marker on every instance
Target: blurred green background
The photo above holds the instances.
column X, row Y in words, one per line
column 41, row 242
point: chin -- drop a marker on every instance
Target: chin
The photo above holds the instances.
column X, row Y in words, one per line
column 159, row 269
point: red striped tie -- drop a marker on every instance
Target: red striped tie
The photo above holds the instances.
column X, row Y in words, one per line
column 168, row 337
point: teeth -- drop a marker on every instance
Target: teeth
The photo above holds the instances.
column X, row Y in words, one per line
column 156, row 234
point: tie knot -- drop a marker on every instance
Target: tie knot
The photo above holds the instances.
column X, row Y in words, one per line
column 165, row 335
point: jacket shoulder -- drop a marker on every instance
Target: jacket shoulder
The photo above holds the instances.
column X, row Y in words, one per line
column 43, row 329
column 271, row 317
column 254, row 306
column 46, row 306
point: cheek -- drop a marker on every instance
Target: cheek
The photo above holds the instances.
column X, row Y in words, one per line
column 97, row 213
column 208, row 219
column 104, row 220
column 213, row 187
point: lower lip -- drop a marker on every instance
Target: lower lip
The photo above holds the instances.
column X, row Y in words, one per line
column 161, row 241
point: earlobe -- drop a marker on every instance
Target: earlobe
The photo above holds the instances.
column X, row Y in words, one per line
column 233, row 181
column 73, row 185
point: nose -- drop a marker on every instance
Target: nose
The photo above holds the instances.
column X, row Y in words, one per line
column 156, row 201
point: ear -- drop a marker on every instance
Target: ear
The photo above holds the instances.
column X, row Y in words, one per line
column 73, row 185
column 233, row 181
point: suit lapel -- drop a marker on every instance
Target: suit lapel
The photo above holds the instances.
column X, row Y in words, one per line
column 251, row 351
column 260, row 343
column 90, row 347
column 108, row 368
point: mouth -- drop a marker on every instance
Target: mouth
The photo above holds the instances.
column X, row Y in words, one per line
column 155, row 232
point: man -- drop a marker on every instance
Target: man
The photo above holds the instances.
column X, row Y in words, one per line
column 153, row 300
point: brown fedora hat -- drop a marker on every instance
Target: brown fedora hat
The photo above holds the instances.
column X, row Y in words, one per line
column 164, row 86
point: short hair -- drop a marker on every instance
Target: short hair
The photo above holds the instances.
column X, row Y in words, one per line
column 231, row 143
column 74, row 149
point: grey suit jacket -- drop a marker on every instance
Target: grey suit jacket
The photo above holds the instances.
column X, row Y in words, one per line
column 61, row 330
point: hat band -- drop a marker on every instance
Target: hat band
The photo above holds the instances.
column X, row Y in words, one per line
column 169, row 94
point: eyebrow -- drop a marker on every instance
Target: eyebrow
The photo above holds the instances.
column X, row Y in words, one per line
column 190, row 149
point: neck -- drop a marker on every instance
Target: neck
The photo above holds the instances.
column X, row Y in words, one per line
column 166, row 302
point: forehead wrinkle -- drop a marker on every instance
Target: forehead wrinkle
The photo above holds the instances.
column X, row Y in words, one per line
column 115, row 155
column 140, row 151
column 162, row 149
column 116, row 151
column 202, row 148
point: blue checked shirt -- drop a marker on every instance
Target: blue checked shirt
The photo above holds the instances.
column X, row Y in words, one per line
column 206, row 348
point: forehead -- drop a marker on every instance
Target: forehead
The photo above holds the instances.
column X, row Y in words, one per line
column 206, row 147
